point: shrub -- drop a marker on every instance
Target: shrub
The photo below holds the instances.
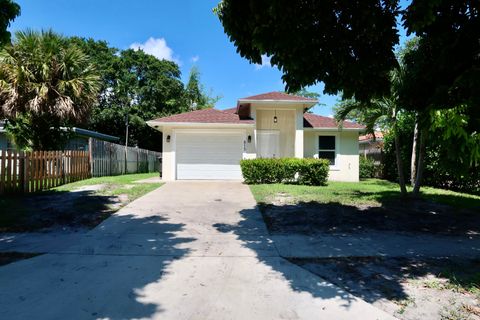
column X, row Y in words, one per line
column 367, row 168
column 285, row 170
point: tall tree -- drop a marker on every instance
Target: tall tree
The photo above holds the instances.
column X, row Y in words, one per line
column 345, row 44
column 9, row 10
column 135, row 87
column 45, row 83
column 195, row 93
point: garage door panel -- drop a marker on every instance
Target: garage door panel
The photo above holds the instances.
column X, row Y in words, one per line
column 209, row 155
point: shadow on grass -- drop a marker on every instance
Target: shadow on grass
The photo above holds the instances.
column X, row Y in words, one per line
column 376, row 278
column 64, row 209
column 393, row 214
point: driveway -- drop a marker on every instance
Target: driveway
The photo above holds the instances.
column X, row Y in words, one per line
column 188, row 250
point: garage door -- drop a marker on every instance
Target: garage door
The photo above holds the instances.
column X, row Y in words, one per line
column 209, row 155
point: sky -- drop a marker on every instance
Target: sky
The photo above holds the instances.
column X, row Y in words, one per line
column 184, row 31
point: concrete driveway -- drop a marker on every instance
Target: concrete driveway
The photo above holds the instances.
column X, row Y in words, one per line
column 188, row 250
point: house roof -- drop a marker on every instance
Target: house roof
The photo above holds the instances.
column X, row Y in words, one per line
column 276, row 95
column 229, row 116
column 206, row 116
column 311, row 120
column 368, row 137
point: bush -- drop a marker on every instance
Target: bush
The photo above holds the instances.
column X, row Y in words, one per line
column 367, row 168
column 286, row 170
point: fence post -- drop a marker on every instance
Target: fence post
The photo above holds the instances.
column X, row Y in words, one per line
column 21, row 171
column 90, row 155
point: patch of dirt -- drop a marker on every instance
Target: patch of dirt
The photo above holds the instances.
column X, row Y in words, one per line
column 417, row 216
column 406, row 288
column 9, row 257
column 77, row 210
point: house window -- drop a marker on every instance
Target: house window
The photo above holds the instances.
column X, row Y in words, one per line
column 326, row 148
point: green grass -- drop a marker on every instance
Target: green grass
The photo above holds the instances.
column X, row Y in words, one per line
column 112, row 180
column 372, row 192
column 116, row 185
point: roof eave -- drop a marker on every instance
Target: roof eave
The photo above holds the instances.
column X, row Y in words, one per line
column 158, row 124
column 333, row 129
column 269, row 101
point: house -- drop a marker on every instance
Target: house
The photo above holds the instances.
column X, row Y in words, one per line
column 371, row 146
column 78, row 141
column 209, row 143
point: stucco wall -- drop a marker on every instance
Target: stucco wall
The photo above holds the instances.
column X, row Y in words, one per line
column 347, row 159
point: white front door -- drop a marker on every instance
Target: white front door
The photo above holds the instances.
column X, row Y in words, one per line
column 209, row 155
column 268, row 144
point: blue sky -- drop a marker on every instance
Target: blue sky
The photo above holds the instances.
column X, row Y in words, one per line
column 185, row 31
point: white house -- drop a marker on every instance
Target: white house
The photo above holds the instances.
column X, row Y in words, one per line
column 209, row 143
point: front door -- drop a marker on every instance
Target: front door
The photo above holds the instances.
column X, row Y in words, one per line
column 268, row 144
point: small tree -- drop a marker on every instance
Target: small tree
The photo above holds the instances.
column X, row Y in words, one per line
column 45, row 84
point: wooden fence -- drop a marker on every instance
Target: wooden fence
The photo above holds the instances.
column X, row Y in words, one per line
column 109, row 159
column 40, row 170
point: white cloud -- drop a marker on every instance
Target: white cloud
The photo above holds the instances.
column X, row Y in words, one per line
column 194, row 59
column 157, row 47
column 265, row 63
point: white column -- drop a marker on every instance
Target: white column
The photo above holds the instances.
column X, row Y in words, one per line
column 299, row 134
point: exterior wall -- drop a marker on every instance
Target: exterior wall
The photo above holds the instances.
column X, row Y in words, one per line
column 347, row 159
column 285, row 125
column 168, row 148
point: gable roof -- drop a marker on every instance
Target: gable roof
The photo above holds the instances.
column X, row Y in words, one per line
column 276, row 95
column 205, row 116
column 311, row 120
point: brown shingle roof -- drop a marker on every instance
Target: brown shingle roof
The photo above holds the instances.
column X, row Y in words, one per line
column 205, row 116
column 275, row 95
column 378, row 135
column 230, row 110
column 311, row 120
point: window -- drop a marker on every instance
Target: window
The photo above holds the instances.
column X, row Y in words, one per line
column 326, row 148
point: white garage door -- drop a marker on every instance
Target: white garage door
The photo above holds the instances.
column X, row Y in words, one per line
column 209, row 155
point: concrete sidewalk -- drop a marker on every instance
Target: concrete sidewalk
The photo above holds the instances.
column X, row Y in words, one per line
column 188, row 250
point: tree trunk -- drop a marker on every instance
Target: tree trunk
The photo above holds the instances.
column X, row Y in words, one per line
column 413, row 164
column 401, row 176
column 421, row 163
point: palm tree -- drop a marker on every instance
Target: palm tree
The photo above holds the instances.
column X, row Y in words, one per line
column 379, row 111
column 45, row 82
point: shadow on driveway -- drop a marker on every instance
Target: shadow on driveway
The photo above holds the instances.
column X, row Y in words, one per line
column 90, row 283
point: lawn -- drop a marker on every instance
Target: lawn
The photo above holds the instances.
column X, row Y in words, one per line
column 83, row 203
column 371, row 192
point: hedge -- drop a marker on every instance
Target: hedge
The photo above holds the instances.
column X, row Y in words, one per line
column 312, row 172
column 367, row 168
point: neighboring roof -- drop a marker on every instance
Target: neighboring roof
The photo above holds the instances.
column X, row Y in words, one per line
column 230, row 110
column 311, row 120
column 276, row 95
column 94, row 134
column 205, row 116
column 77, row 131
column 369, row 137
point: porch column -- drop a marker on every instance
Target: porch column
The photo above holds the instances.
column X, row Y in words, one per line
column 299, row 134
